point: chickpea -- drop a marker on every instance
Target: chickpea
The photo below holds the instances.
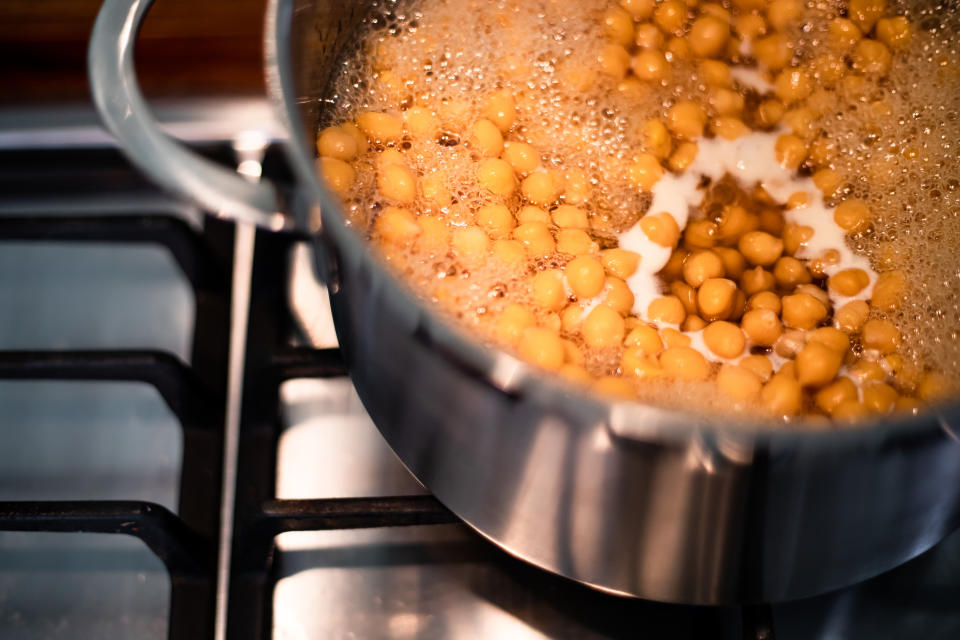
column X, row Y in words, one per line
column 648, row 37
column 334, row 142
column 620, row 262
column 888, row 291
column 434, row 235
column 674, row 267
column 470, row 244
column 661, row 228
column 894, row 32
column 636, row 363
column 645, row 172
column 836, row 393
column 740, row 383
column 388, row 157
column 734, row 221
column 683, row 156
column 762, row 326
column 651, row 65
column 421, row 122
column 569, row 217
column 618, row 295
column 638, row 9
column 802, row 311
column 380, row 127
column 670, row 16
column 726, row 102
column 848, row 282
column 879, row 397
column 541, row 347
column 509, row 251
column 756, row 280
column 831, row 337
column 789, row 272
column 715, row 73
column 571, row 318
column 686, row 119
column 512, row 323
column 686, row 294
column 933, row 386
column 673, row 338
column 849, row 410
column 871, row 57
column 701, row 266
column 764, row 300
column 795, row 236
column 782, row 396
column 693, row 323
column 708, row 36
column 773, row 52
column 725, row 339
column 729, row 128
column 865, row 13
column 540, row 188
column 575, row 242
column 521, row 156
column 828, row 182
column 817, row 364
column 618, row 26
column 529, row 213
column 782, row 14
column 338, row 175
column 760, row 248
column 578, row 189
column 486, row 138
column 866, row 370
column 614, row 61
column 700, row 234
column 603, row 328
column 496, row 176
column 354, row 132
column 733, row 262
column 715, row 298
column 667, row 309
column 656, row 138
column 881, row 335
column 396, row 182
column 547, row 289
column 677, row 49
column 396, row 226
column 843, row 34
column 852, row 215
column 758, row 364
column 496, row 220
column 585, row 276
column 501, row 110
column 771, row 221
column 791, row 151
column 749, row 26
column 536, row 238
column 770, row 113
column 684, row 363
column 572, row 354
column 646, row 339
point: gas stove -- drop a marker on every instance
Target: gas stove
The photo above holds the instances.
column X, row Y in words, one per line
column 118, row 421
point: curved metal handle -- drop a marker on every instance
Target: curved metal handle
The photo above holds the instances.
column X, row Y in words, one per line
column 126, row 115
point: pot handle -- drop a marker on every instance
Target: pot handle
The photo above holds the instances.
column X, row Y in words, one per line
column 126, row 115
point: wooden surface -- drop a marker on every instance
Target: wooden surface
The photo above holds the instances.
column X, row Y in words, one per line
column 186, row 48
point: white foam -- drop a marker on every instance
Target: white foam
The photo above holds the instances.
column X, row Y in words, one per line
column 750, row 77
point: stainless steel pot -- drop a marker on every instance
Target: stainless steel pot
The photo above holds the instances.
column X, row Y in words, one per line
column 625, row 497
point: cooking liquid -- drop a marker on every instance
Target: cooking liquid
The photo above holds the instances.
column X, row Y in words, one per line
column 894, row 142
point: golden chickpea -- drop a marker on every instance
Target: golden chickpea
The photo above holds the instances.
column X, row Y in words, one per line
column 686, row 120
column 708, row 36
column 435, row 235
column 354, row 132
column 541, row 347
column 616, row 387
column 771, row 220
column 684, row 363
column 521, row 156
column 396, row 182
column 486, row 138
column 729, row 128
column 701, row 266
column 536, row 238
column 510, row 252
column 760, row 365
column 828, row 181
column 338, row 175
column 645, row 172
column 496, row 220
column 843, row 34
column 933, row 386
column 571, row 317
column 388, row 157
column 852, row 215
column 575, row 242
column 693, row 323
column 762, row 326
column 585, row 276
column 577, row 187
column 764, row 300
column 683, row 156
column 864, row 371
column 792, row 85
column 645, row 338
column 814, row 291
column 817, row 364
column 715, row 73
column 740, row 383
column 618, row 26
column 726, row 102
column 734, row 221
column 470, row 244
column 572, row 353
column 529, row 213
column 715, row 298
column 635, row 362
column 648, row 37
column 496, row 176
column 865, row 13
column 547, row 289
column 421, row 122
column 795, row 236
column 671, row 16
column 831, row 337
column 617, row 295
column 603, row 328
column 569, row 217
column 334, row 142
column 749, row 26
column 789, row 272
column 770, row 113
column 512, row 323
column 686, row 294
column 773, row 52
column 396, row 226
column 756, row 280
column 700, row 234
column 836, row 393
column 724, row 339
column 894, row 32
column 782, row 396
column 677, row 49
column 380, row 127
column 849, row 410
column 614, row 61
column 783, row 14
column 638, row 9
column 802, row 311
column 760, row 248
column 881, row 335
column 879, row 397
column 620, row 262
column 501, row 110
column 667, row 309
column 791, row 151
column 871, row 57
column 848, row 282
column 674, row 267
column 888, row 291
column 661, row 228
column 655, row 138
column 674, row 338
column 650, row 65
column 733, row 262
column 540, row 188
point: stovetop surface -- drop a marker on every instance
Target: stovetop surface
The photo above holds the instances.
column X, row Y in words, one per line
column 84, row 440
